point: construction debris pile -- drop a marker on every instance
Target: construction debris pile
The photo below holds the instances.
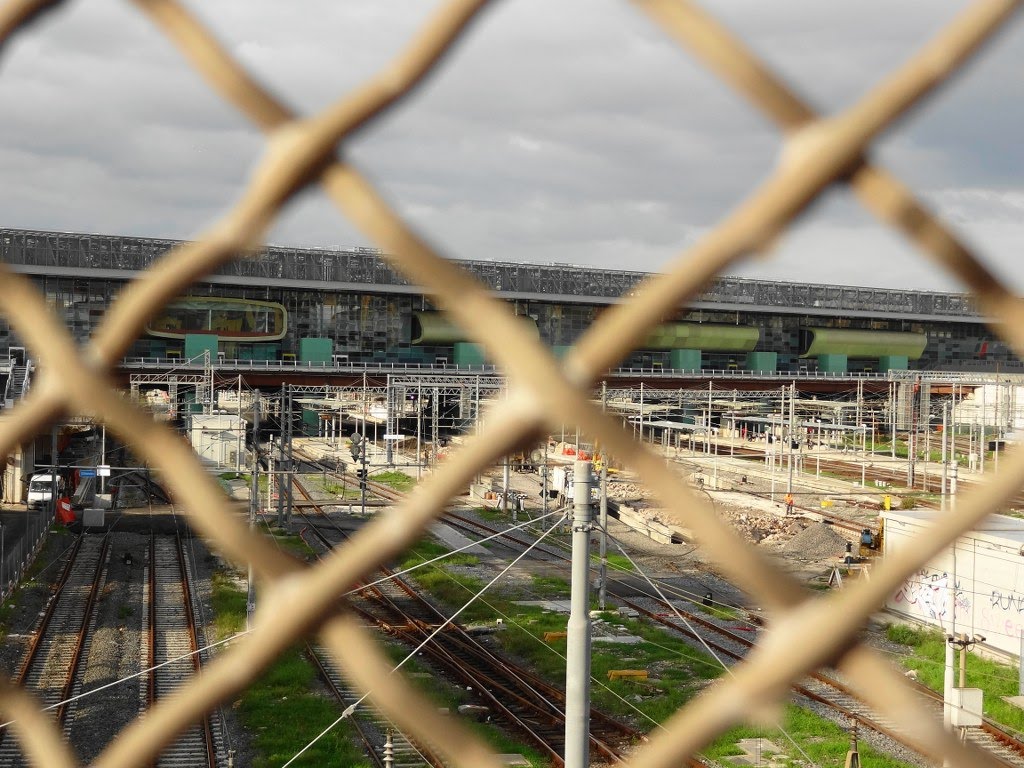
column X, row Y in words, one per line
column 763, row 529
column 818, row 541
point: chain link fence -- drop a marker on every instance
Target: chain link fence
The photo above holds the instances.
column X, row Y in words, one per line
column 805, row 631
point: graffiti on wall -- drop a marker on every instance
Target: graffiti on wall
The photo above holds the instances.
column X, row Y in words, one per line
column 1007, row 601
column 928, row 592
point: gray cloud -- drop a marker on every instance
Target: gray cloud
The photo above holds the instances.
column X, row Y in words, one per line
column 571, row 131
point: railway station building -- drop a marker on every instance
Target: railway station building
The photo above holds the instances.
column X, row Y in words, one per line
column 346, row 307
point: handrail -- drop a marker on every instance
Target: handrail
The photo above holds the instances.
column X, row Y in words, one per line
column 979, row 377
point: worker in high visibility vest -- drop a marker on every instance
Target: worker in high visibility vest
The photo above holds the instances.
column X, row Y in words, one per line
column 789, row 503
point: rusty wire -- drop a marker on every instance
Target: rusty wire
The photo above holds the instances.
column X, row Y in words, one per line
column 807, row 631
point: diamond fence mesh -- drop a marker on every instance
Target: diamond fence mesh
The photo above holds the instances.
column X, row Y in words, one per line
column 806, row 631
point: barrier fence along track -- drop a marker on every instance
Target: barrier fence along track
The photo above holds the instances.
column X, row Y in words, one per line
column 808, row 630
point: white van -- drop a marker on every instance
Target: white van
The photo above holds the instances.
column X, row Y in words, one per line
column 40, row 489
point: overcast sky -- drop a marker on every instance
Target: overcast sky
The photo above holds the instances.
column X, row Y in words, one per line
column 559, row 131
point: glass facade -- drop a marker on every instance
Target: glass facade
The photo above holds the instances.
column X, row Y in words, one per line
column 368, row 318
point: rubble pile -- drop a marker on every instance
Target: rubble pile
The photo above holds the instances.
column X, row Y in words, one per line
column 817, row 541
column 627, row 490
column 763, row 529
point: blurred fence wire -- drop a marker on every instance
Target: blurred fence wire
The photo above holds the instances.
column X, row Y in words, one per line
column 806, row 631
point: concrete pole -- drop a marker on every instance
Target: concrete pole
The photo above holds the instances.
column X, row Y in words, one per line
column 942, row 482
column 577, row 665
column 291, row 459
column 103, row 459
column 1020, row 666
column 603, row 581
column 984, row 418
column 641, row 412
column 276, row 480
column 544, row 479
column 792, row 418
column 238, row 452
column 507, row 481
column 419, row 429
column 254, row 492
column 708, row 432
column 998, row 426
column 892, row 421
column 927, row 452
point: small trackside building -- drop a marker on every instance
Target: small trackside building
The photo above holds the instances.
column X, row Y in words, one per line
column 974, row 587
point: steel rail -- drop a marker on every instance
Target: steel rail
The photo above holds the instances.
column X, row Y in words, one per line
column 462, row 656
column 324, row 668
column 44, row 624
column 77, row 620
column 328, row 680
column 992, row 730
column 190, row 618
column 168, row 619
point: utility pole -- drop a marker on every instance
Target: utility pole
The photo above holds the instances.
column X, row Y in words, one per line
column 507, row 481
column 254, row 492
column 942, row 482
column 544, row 479
column 603, row 594
column 291, row 457
column 238, row 452
column 603, row 578
column 577, row 664
column 792, row 420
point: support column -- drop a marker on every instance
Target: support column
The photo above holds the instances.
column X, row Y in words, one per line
column 254, row 493
column 603, row 580
column 577, row 665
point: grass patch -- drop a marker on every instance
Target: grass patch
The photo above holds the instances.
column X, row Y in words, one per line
column 619, row 562
column 492, row 515
column 285, row 714
column 397, row 480
column 228, row 606
column 548, row 586
column 719, row 611
column 907, row 635
column 344, row 490
column 290, row 542
column 428, row 549
column 283, row 709
column 824, row 742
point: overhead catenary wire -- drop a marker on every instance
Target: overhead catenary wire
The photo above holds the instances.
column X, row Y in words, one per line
column 447, row 620
column 700, row 637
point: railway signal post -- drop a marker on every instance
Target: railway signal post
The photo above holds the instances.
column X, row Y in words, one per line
column 577, row 664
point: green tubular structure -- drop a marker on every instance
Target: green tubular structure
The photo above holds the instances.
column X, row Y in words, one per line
column 435, row 329
column 703, row 336
column 815, row 342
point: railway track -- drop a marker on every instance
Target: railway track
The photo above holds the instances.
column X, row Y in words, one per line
column 371, row 726
column 171, row 648
column 820, row 687
column 525, row 702
column 50, row 668
column 888, row 473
